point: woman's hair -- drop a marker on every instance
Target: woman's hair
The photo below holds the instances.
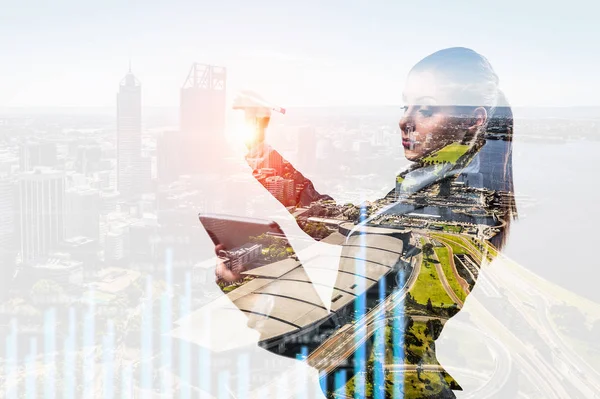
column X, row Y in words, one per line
column 470, row 81
column 464, row 73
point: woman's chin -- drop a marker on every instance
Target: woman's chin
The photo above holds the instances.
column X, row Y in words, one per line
column 411, row 155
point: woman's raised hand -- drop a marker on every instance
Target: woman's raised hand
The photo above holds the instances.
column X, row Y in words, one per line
column 257, row 114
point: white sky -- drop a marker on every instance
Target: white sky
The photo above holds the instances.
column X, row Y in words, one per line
column 312, row 53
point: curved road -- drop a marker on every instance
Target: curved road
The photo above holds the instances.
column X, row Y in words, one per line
column 444, row 280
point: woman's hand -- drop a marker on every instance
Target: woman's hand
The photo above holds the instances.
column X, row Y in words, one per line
column 222, row 272
column 257, row 116
column 259, row 124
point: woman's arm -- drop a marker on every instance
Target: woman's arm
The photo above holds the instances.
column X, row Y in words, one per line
column 297, row 189
column 278, row 176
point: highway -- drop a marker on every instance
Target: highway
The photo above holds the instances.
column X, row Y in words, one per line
column 508, row 348
column 331, row 353
column 545, row 377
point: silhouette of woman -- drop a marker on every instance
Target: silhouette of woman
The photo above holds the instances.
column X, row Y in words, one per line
column 449, row 214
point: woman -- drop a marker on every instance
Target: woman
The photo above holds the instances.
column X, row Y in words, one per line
column 460, row 181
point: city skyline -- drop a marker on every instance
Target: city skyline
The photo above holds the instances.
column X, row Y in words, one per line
column 155, row 241
column 113, row 244
column 130, row 173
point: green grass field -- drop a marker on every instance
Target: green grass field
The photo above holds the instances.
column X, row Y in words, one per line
column 450, row 153
column 442, row 254
column 453, row 242
column 449, row 227
column 452, row 228
column 428, row 285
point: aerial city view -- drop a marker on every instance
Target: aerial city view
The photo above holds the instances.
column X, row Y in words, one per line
column 363, row 246
column 99, row 229
column 407, row 264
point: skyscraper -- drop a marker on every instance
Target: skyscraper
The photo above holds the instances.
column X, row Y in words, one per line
column 289, row 192
column 41, row 212
column 275, row 185
column 203, row 101
column 202, row 116
column 129, row 136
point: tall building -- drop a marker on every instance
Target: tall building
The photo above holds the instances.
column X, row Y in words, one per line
column 275, row 161
column 129, row 136
column 289, row 192
column 275, row 185
column 41, row 212
column 202, row 116
column 203, row 101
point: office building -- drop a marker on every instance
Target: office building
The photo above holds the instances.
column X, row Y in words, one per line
column 202, row 117
column 275, row 185
column 129, row 136
column 289, row 192
column 41, row 200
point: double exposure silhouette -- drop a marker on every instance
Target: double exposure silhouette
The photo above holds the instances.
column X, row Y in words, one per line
column 407, row 261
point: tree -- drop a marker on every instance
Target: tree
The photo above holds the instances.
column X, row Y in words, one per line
column 433, row 328
column 429, row 305
column 352, row 214
column 282, row 254
column 428, row 250
column 408, row 323
column 452, row 310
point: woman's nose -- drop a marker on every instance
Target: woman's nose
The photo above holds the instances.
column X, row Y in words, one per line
column 405, row 120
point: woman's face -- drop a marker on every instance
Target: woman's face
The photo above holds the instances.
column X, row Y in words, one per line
column 429, row 121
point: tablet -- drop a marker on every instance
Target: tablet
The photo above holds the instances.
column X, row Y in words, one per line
column 234, row 231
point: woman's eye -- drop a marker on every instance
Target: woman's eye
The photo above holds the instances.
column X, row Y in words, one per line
column 426, row 112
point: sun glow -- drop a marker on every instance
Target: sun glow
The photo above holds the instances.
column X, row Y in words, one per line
column 244, row 132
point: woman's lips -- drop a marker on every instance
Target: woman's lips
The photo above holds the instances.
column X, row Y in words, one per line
column 407, row 143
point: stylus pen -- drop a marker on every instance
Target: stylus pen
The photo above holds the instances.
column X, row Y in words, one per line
column 260, row 101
